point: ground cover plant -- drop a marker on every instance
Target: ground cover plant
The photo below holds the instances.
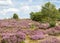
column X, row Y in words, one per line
column 41, row 28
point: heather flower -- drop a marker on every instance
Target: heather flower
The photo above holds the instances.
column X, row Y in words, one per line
column 51, row 40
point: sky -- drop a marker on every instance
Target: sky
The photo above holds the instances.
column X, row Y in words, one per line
column 22, row 7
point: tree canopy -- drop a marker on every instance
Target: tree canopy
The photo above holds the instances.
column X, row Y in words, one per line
column 47, row 13
column 15, row 16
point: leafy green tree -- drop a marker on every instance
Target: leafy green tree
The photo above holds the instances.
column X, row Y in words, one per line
column 15, row 16
column 32, row 15
column 52, row 23
column 35, row 16
column 49, row 11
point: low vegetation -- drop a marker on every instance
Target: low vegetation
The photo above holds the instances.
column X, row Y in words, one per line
column 41, row 28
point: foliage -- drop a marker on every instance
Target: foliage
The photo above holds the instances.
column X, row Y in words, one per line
column 48, row 13
column 18, row 35
column 32, row 26
column 35, row 16
column 15, row 16
column 51, row 40
column 37, row 35
column 52, row 23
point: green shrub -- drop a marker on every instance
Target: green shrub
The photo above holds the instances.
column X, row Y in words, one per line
column 32, row 26
column 35, row 16
column 15, row 16
column 52, row 23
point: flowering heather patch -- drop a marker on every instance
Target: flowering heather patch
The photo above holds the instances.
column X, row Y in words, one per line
column 27, row 31
column 57, row 28
column 38, row 31
column 13, row 37
column 44, row 25
column 15, row 31
column 37, row 37
column 23, row 24
column 53, row 31
column 37, row 34
column 50, row 40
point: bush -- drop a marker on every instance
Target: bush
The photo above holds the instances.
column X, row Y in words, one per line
column 15, row 16
column 47, row 13
column 52, row 23
column 35, row 16
column 32, row 26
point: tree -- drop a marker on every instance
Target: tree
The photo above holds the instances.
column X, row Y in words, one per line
column 35, row 16
column 15, row 16
column 49, row 11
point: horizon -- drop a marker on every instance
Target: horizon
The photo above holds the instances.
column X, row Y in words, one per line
column 22, row 7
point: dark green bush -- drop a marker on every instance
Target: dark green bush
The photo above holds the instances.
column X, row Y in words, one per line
column 15, row 16
column 52, row 23
column 35, row 16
